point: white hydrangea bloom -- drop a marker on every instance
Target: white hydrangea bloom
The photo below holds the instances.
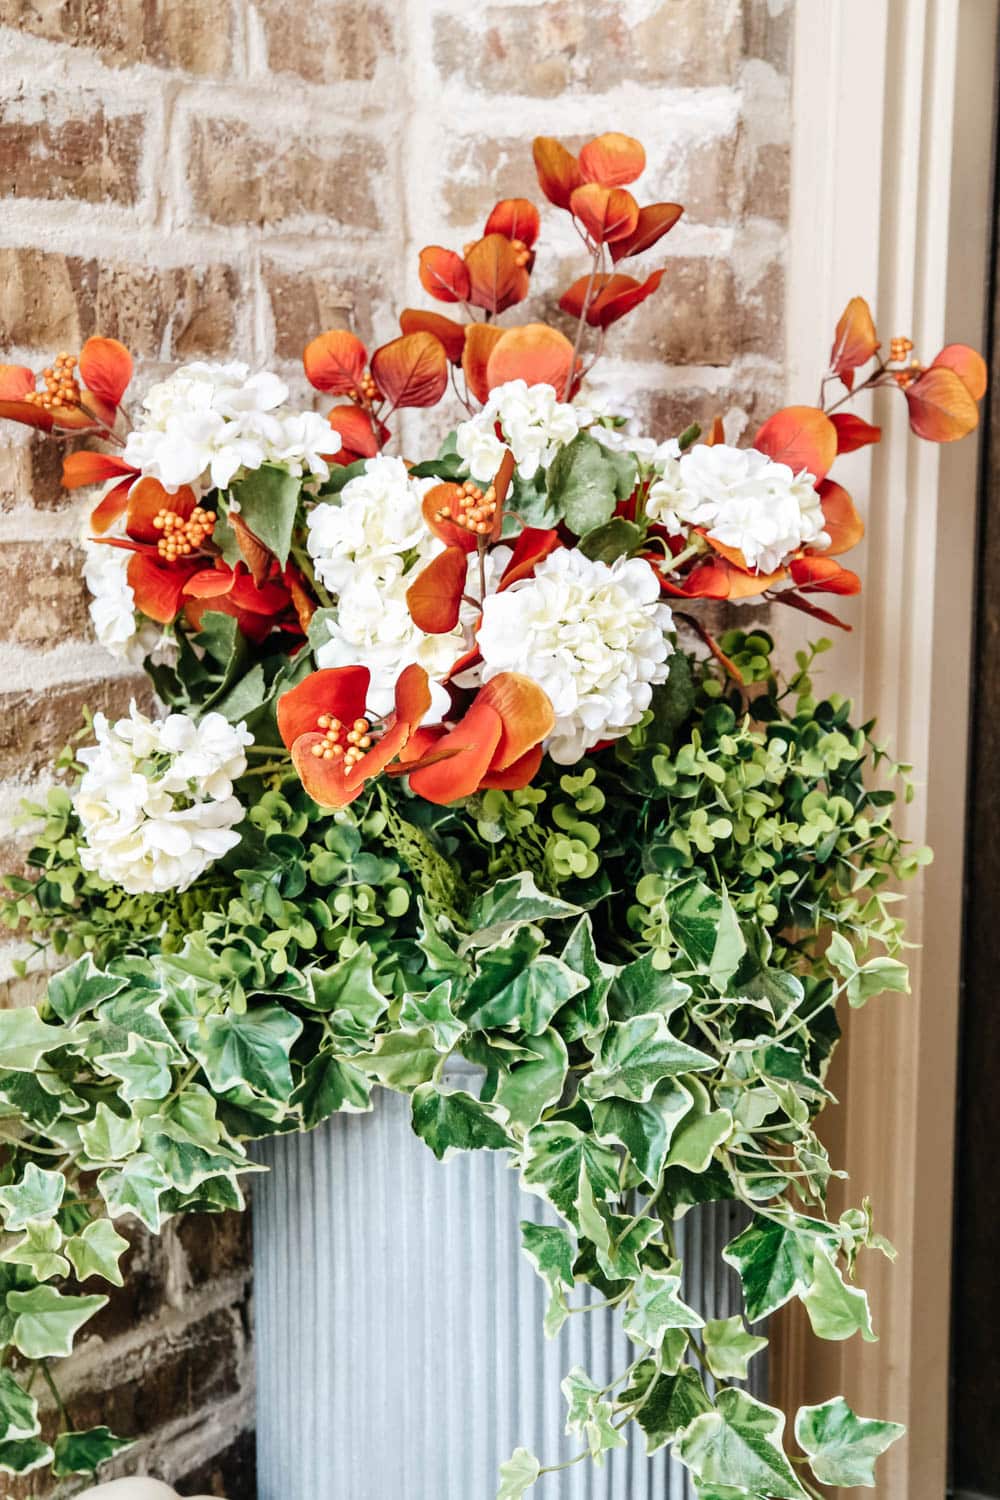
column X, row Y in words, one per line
column 156, row 800
column 112, row 605
column 535, row 424
column 593, row 636
column 375, row 520
column 211, row 420
column 742, row 499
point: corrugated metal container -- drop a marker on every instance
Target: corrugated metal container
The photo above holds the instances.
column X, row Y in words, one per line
column 400, row 1353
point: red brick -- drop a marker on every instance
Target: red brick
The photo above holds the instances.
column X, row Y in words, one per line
column 273, row 179
column 48, row 150
column 35, row 726
column 343, row 43
column 193, row 36
column 307, row 302
column 50, row 301
column 549, row 49
column 47, row 597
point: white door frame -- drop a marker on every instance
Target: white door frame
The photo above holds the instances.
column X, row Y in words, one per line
column 891, row 199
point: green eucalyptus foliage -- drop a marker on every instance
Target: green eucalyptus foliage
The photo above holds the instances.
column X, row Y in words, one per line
column 638, row 955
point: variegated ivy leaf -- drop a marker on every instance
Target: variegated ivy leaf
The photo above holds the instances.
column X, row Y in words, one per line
column 513, row 902
column 185, row 1161
column 677, row 1397
column 739, row 1444
column 329, row 1084
column 700, row 1133
column 729, row 948
column 402, row 1059
column 640, row 988
column 109, row 1137
column 23, row 1456
column 644, row 1129
column 554, row 1156
column 18, row 1410
column 836, row 1310
column 534, row 1080
column 253, row 1048
column 654, row 1306
column 590, row 1415
column 25, row 1038
column 518, row 985
column 143, row 1068
column 96, row 1251
column 866, row 980
column 84, row 1452
column 729, row 1348
column 37, row 1196
column 450, row 1122
column 350, row 986
column 81, row 987
column 135, row 1188
column 635, row 1055
column 586, row 1013
column 433, row 1011
column 841, row 1446
column 46, row 1322
column 711, row 1491
column 552, row 1253
column 518, row 1474
column 39, row 1250
column 775, row 1260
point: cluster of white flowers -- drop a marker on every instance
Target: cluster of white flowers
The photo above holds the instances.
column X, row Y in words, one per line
column 207, row 421
column 156, row 801
column 742, row 499
column 534, row 424
column 368, row 548
column 112, row 605
column 593, row 636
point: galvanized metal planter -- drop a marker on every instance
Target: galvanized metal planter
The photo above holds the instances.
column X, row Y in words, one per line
column 399, row 1326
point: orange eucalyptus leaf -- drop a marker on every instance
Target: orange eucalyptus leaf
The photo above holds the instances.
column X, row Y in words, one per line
column 531, row 546
column 535, row 353
column 444, row 274
column 606, row 214
column 654, row 221
column 114, row 504
column 800, row 602
column 434, row 599
column 445, row 498
column 498, row 280
column 357, row 439
column 158, row 587
column 824, row 575
column 500, row 484
column 341, row 692
column 106, row 368
column 854, row 432
column 465, row 756
column 558, row 170
column 27, row 414
column 147, row 498
column 968, row 365
column 854, row 340
column 15, row 382
column 520, row 773
column 717, row 433
column 803, row 437
column 841, row 521
column 411, row 370
column 451, row 334
column 517, row 218
column 86, row 468
column 526, row 714
column 335, row 362
column 612, row 159
column 480, row 341
column 941, row 408
column 618, row 296
column 253, row 551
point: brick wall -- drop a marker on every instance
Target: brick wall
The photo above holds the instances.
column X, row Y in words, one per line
column 209, row 178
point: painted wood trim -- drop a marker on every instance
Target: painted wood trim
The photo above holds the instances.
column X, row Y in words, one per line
column 891, row 198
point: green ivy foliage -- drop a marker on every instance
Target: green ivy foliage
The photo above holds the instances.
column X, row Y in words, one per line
column 644, row 958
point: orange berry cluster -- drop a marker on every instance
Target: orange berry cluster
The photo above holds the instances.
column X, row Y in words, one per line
column 368, row 390
column 522, row 254
column 348, row 745
column 899, row 348
column 476, row 509
column 181, row 537
column 61, row 388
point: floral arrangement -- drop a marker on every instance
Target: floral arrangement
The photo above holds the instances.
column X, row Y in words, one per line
column 449, row 758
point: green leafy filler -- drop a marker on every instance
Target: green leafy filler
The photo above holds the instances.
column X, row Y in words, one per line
column 644, row 958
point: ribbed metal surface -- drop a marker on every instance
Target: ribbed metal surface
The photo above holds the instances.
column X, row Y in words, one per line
column 399, row 1326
